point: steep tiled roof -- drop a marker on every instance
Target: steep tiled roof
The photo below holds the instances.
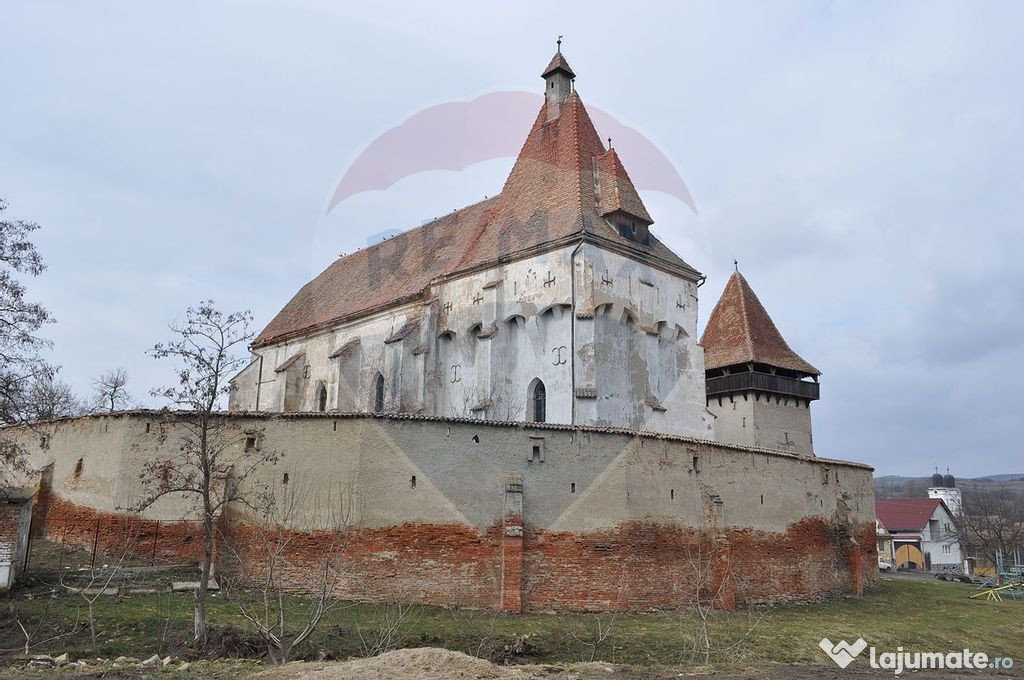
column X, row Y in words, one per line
column 391, row 271
column 548, row 199
column 740, row 331
column 617, row 190
column 558, row 63
column 906, row 514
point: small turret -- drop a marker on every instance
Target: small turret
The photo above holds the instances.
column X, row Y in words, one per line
column 759, row 389
column 558, row 77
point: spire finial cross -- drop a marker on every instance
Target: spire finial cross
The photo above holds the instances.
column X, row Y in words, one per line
column 736, row 264
column 609, row 143
column 559, row 43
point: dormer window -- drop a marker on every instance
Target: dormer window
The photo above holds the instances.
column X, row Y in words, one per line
column 630, row 229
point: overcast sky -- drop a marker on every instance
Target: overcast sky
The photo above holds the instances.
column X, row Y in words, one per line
column 862, row 161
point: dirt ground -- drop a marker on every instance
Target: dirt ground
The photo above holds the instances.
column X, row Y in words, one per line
column 440, row 664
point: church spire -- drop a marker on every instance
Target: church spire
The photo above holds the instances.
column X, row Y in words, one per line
column 558, row 78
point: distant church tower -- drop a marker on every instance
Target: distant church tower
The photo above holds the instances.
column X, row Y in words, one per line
column 944, row 487
column 759, row 390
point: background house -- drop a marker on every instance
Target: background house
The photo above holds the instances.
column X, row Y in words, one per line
column 923, row 534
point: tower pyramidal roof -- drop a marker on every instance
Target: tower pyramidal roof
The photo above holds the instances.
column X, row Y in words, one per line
column 558, row 63
column 740, row 331
column 563, row 188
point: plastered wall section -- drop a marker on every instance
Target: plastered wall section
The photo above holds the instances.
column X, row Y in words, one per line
column 432, row 471
column 751, row 419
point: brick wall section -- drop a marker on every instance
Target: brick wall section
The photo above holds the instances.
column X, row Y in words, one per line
column 14, row 517
column 512, row 547
column 647, row 566
column 41, row 503
column 637, row 566
column 114, row 535
column 446, row 565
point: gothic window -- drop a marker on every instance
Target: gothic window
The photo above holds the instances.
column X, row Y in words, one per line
column 321, row 398
column 378, row 393
column 538, row 401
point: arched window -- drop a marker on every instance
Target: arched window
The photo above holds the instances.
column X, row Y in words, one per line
column 538, row 401
column 321, row 398
column 378, row 393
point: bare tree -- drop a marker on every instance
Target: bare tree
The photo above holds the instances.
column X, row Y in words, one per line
column 20, row 322
column 97, row 582
column 385, row 629
column 594, row 631
column 48, row 397
column 710, row 633
column 110, row 392
column 216, row 461
column 267, row 566
column 991, row 523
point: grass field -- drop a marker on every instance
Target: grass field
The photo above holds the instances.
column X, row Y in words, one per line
column 917, row 615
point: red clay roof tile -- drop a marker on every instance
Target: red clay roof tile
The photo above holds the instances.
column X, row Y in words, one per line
column 548, row 199
column 906, row 514
column 617, row 190
column 740, row 331
column 558, row 63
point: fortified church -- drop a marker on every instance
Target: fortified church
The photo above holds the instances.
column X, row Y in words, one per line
column 515, row 400
column 553, row 301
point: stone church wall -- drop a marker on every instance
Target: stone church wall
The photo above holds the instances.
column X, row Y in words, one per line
column 471, row 349
column 477, row 343
column 636, row 334
column 767, row 421
column 536, row 517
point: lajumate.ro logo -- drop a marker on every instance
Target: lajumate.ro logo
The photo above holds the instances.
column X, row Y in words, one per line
column 843, row 654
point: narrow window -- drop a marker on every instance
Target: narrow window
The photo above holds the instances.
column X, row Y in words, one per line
column 321, row 399
column 78, row 468
column 378, row 393
column 762, row 499
column 696, row 463
column 250, row 444
column 284, row 479
column 538, row 401
column 536, row 452
column 572, row 488
column 672, row 494
column 412, row 481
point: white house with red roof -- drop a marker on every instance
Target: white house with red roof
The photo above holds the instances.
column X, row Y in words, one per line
column 922, row 532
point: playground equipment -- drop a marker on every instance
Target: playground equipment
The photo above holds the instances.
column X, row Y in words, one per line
column 1002, row 584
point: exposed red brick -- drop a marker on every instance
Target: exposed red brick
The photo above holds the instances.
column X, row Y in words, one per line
column 116, row 535
column 41, row 503
column 637, row 565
